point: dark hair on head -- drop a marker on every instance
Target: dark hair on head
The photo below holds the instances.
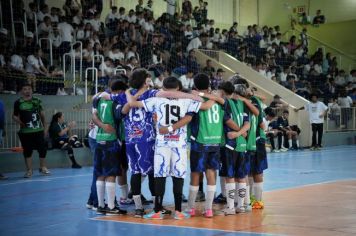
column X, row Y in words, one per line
column 171, row 82
column 285, row 112
column 270, row 112
column 201, row 81
column 241, row 81
column 138, row 78
column 25, row 84
column 118, row 85
column 227, row 87
column 241, row 90
column 55, row 117
column 312, row 95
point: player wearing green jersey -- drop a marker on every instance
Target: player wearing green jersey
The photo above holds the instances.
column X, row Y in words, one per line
column 107, row 115
column 28, row 113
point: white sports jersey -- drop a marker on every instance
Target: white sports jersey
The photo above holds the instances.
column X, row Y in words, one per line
column 168, row 112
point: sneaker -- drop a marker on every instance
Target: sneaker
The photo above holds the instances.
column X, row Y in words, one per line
column 100, row 211
column 145, row 201
column 28, row 174
column 275, row 150
column 166, row 211
column 208, row 213
column 283, row 149
column 184, row 198
column 154, row 216
column 220, row 199
column 115, row 211
column 89, row 204
column 126, row 201
column 258, row 205
column 44, row 171
column 3, row 177
column 139, row 213
column 317, row 148
column 228, row 211
column 191, row 211
column 95, row 207
column 76, row 166
column 240, row 210
column 200, row 197
column 248, row 208
column 181, row 215
column 312, row 149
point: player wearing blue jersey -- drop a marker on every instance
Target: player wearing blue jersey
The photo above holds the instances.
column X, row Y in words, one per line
column 170, row 157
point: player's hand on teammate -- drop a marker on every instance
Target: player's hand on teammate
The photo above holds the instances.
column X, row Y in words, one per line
column 233, row 134
column 163, row 130
column 109, row 129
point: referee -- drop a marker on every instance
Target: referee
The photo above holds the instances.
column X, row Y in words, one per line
column 28, row 113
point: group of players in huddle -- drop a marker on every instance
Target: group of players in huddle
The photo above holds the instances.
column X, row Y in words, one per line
column 152, row 133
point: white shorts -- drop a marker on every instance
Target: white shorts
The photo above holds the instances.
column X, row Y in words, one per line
column 170, row 162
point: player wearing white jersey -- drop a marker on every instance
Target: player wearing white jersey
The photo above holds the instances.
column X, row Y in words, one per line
column 170, row 157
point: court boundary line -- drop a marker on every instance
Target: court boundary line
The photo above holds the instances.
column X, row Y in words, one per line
column 177, row 226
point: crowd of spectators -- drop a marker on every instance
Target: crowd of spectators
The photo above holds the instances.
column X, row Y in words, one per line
column 131, row 38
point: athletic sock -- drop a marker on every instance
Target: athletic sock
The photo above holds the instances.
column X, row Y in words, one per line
column 138, row 202
column 290, row 143
column 230, row 195
column 247, row 197
column 258, row 189
column 223, row 186
column 297, row 142
column 241, row 193
column 250, row 185
column 124, row 191
column 100, row 190
column 110, row 192
column 210, row 193
column 193, row 191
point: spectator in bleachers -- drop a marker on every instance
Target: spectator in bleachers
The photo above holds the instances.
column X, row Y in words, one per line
column 197, row 42
column 54, row 15
column 287, row 131
column 217, row 79
column 139, row 6
column 275, row 135
column 187, row 80
column 319, row 18
column 187, row 8
column 351, row 78
column 60, row 133
column 29, row 44
column 340, row 79
column 16, row 61
column 35, row 64
column 277, row 102
column 334, row 111
column 45, row 28
column 67, row 31
column 353, row 96
column 345, row 102
column 209, row 69
column 42, row 13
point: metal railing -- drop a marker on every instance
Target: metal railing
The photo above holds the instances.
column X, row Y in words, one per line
column 80, row 116
column 342, row 119
column 95, row 70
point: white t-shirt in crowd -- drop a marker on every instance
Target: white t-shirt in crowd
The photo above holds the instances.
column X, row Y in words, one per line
column 187, row 83
column 315, row 110
column 169, row 111
column 345, row 101
column 66, row 30
column 195, row 43
column 171, row 7
column 116, row 56
column 33, row 64
column 16, row 62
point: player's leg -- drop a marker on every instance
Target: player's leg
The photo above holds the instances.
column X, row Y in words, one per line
column 320, row 134
column 93, row 198
column 314, row 131
column 213, row 164
column 40, row 145
column 228, row 169
column 240, row 179
column 122, row 180
column 201, row 194
column 100, row 180
column 27, row 153
column 178, row 169
column 145, row 163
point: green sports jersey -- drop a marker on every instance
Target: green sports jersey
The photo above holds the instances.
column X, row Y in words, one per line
column 259, row 132
column 251, row 136
column 29, row 112
column 210, row 125
column 238, row 109
column 105, row 109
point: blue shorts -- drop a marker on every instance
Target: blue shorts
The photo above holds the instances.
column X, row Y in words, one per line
column 106, row 159
column 258, row 159
column 123, row 157
column 140, row 157
column 234, row 164
column 201, row 161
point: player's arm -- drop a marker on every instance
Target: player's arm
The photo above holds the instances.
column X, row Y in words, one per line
column 106, row 127
column 242, row 131
column 232, row 125
column 182, row 122
column 298, row 109
column 131, row 101
column 177, row 95
column 207, row 105
column 249, row 105
column 210, row 97
column 43, row 120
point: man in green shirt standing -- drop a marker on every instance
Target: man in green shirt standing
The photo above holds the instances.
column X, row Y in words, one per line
column 28, row 113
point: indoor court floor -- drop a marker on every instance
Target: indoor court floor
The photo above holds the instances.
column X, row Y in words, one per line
column 307, row 193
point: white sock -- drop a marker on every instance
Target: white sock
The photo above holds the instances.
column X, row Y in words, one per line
column 275, row 143
column 290, row 143
column 100, row 190
column 297, row 142
column 110, row 192
column 241, row 193
column 258, row 188
column 282, row 146
column 138, row 202
column 143, row 177
column 247, row 197
column 210, row 193
column 124, row 191
column 193, row 191
column 222, row 186
column 230, row 195
column 250, row 185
